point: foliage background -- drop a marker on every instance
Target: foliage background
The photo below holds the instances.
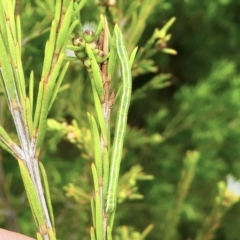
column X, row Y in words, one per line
column 199, row 111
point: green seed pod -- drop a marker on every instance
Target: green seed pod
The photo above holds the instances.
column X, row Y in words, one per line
column 100, row 56
column 87, row 63
column 89, row 36
column 93, row 45
column 81, row 55
column 77, row 41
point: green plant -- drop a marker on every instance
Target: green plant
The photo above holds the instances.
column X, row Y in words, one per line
column 91, row 110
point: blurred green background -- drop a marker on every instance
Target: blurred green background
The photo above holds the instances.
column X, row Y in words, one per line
column 200, row 110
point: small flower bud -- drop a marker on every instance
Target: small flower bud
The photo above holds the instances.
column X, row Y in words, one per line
column 89, row 36
column 81, row 55
column 79, row 42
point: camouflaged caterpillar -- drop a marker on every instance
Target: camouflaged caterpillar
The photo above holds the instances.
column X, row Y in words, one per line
column 121, row 120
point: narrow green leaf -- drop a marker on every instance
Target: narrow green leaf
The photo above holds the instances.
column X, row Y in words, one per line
column 54, row 75
column 109, row 233
column 39, row 237
column 98, row 205
column 62, row 36
column 28, row 116
column 93, row 211
column 97, row 145
column 139, row 23
column 19, row 33
column 6, row 71
column 47, row 92
column 4, row 146
column 132, row 57
column 111, row 218
column 105, row 172
column 49, row 50
column 69, row 32
column 52, row 234
column 100, row 116
column 41, row 128
column 146, row 231
column 2, row 85
column 38, row 105
column 5, row 135
column 79, row 7
column 92, row 234
column 112, row 58
column 58, row 10
column 132, row 8
column 58, row 84
column 3, row 25
column 47, row 192
column 19, row 75
column 31, row 91
column 32, row 195
column 10, row 47
column 74, row 48
column 100, row 25
column 166, row 27
column 169, row 51
column 95, row 178
column 6, row 142
column 43, row 101
column 11, row 18
column 97, row 77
